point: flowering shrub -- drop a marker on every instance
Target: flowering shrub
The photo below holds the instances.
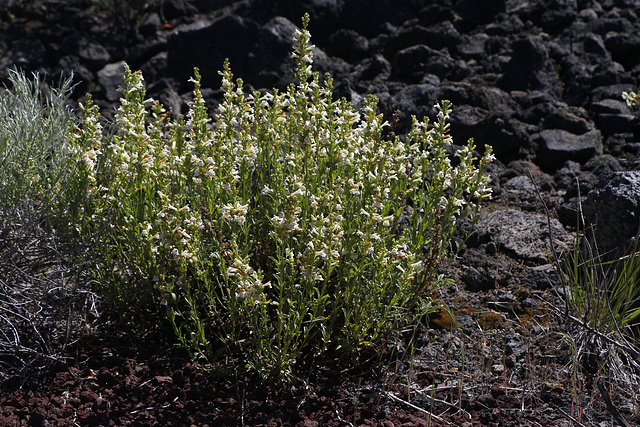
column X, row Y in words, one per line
column 286, row 228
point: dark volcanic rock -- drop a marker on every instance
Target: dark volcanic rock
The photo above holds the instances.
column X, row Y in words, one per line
column 613, row 117
column 624, row 48
column 524, row 235
column 558, row 145
column 524, row 70
column 26, row 53
column 110, row 78
column 349, row 45
column 470, row 11
column 505, row 134
column 438, row 36
column 206, row 44
column 260, row 54
column 412, row 63
column 614, row 207
column 94, row 54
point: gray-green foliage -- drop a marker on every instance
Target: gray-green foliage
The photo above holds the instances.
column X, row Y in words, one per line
column 36, row 155
column 38, row 279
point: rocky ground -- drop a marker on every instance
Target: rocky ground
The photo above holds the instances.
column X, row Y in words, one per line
column 539, row 80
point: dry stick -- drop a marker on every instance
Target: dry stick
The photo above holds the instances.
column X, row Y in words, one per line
column 342, row 420
column 571, row 418
column 28, row 321
column 444, row 402
column 150, row 408
column 553, row 247
column 417, row 408
column 623, row 347
column 607, row 400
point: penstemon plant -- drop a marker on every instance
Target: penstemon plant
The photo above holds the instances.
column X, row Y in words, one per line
column 275, row 232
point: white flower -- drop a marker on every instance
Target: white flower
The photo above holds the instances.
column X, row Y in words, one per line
column 278, row 219
column 235, row 212
column 322, row 254
column 342, row 156
column 368, row 248
column 353, row 187
column 417, row 265
column 145, row 231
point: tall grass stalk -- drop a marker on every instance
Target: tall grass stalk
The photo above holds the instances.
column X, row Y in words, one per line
column 605, row 295
column 603, row 305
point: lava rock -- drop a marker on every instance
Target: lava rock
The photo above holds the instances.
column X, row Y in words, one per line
column 414, row 62
column 558, row 145
column 613, row 91
column 376, row 67
column 437, row 37
column 206, row 44
column 26, row 54
column 523, row 235
column 613, row 206
column 528, row 57
column 349, row 45
column 504, row 133
column 610, row 124
column 477, row 279
column 470, row 11
column 94, row 54
column 111, row 79
column 624, row 48
column 565, row 119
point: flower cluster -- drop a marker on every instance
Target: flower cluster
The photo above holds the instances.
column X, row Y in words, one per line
column 248, row 281
column 90, row 139
column 632, row 99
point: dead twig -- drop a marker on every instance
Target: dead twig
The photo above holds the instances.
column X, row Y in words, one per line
column 417, row 408
column 610, row 406
column 571, row 418
column 629, row 350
